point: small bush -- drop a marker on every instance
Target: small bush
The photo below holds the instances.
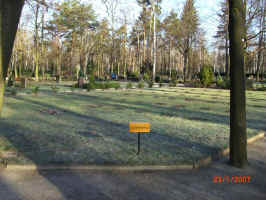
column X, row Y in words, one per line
column 224, row 84
column 129, row 85
column 165, row 79
column 197, row 84
column 219, row 81
column 141, row 84
column 261, row 89
column 91, row 78
column 106, row 85
column 10, row 82
column 206, row 75
column 150, row 83
column 250, row 84
column 115, row 85
column 161, row 83
column 146, row 77
column 35, row 90
column 134, row 76
column 157, row 79
column 98, row 85
column 90, row 86
column 173, row 83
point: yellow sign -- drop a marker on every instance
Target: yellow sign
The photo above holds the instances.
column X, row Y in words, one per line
column 139, row 127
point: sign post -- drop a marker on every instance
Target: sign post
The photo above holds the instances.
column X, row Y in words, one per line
column 137, row 127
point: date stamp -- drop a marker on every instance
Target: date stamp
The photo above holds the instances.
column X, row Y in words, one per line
column 233, row 179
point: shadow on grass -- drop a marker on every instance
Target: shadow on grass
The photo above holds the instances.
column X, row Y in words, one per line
column 31, row 144
column 166, row 111
column 81, row 186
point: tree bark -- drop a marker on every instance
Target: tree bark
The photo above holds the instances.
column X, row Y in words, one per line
column 227, row 67
column 10, row 11
column 261, row 41
column 185, row 65
column 238, row 134
column 36, row 43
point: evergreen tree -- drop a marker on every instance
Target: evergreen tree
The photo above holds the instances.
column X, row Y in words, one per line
column 223, row 33
column 187, row 34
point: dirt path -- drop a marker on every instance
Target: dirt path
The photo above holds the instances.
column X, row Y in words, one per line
column 196, row 184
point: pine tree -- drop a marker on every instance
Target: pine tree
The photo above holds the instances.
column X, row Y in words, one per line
column 223, row 33
column 187, row 34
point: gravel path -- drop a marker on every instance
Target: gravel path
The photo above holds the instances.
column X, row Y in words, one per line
column 91, row 185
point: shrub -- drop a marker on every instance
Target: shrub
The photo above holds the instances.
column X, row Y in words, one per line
column 157, row 79
column 35, row 90
column 100, row 85
column 90, row 86
column 250, row 84
column 10, row 82
column 146, row 77
column 219, row 81
column 141, row 84
column 150, row 83
column 206, row 75
column 261, row 89
column 134, row 76
column 91, row 78
column 161, row 83
column 106, row 85
column 129, row 85
column 224, row 84
column 197, row 84
column 165, row 79
column 115, row 85
column 173, row 83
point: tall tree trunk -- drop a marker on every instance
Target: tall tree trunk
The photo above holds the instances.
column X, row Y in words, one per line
column 15, row 65
column 189, row 65
column 185, row 65
column 144, row 46
column 238, row 134
column 227, row 69
column 261, row 40
column 170, row 69
column 36, row 42
column 154, row 44
column 10, row 11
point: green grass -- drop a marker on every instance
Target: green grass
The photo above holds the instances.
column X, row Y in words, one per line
column 80, row 127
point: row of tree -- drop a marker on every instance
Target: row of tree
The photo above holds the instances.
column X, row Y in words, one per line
column 254, row 39
column 66, row 38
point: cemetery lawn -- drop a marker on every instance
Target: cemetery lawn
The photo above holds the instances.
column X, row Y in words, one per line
column 64, row 126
